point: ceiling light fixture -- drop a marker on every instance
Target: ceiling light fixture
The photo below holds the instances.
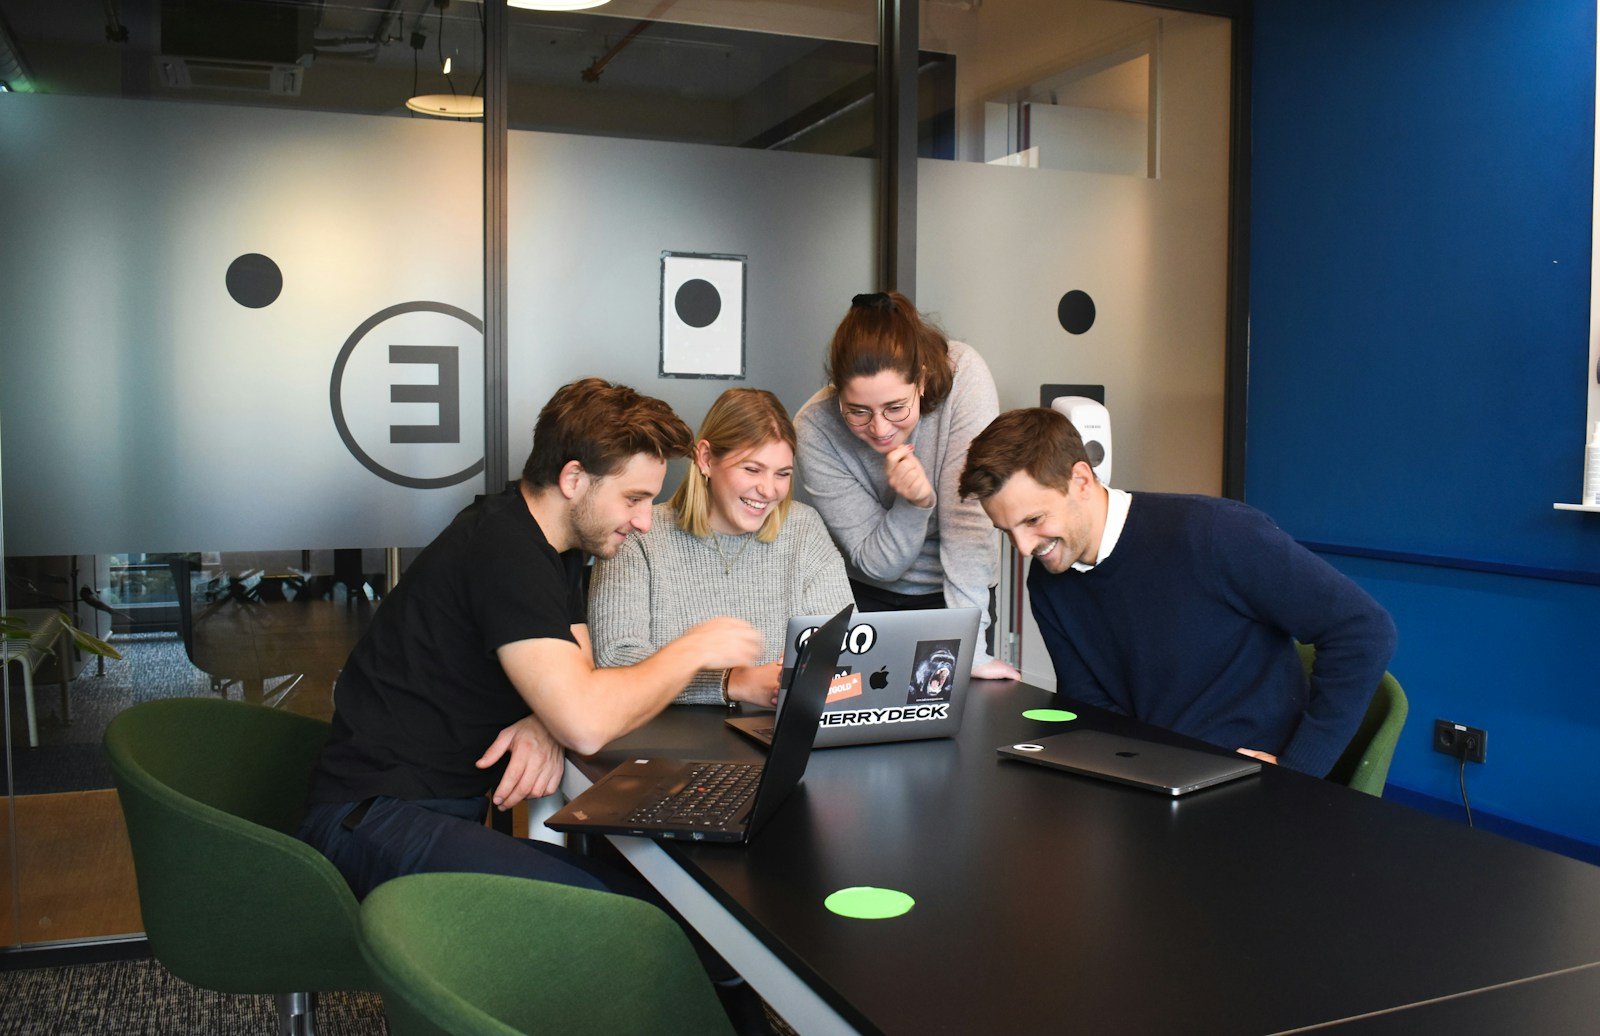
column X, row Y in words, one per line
column 555, row 5
column 448, row 106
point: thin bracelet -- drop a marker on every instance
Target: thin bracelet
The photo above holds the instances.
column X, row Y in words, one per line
column 727, row 674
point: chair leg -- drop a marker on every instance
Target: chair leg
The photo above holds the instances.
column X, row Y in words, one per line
column 27, row 694
column 66, row 692
column 297, row 1013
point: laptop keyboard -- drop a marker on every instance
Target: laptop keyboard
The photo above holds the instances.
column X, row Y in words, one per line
column 713, row 796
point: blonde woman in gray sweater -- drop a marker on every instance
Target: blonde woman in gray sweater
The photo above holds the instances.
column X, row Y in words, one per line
column 881, row 452
column 731, row 541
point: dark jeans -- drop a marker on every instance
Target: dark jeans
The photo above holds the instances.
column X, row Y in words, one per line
column 871, row 598
column 430, row 835
column 425, row 836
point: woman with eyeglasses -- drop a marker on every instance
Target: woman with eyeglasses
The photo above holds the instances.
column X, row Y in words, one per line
column 881, row 452
column 731, row 541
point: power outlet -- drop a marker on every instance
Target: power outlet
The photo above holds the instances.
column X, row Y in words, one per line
column 1460, row 741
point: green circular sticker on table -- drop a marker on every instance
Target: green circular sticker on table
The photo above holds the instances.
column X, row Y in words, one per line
column 865, row 903
column 1050, row 715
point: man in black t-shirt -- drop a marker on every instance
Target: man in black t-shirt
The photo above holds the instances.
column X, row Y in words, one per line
column 476, row 672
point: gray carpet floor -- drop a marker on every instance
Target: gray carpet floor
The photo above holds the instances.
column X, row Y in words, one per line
column 68, row 757
column 141, row 997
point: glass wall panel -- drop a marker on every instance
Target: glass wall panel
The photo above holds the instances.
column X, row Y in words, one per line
column 751, row 143
column 726, row 93
column 241, row 359
column 1102, row 261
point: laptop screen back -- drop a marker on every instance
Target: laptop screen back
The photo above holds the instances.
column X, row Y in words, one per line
column 902, row 675
column 796, row 726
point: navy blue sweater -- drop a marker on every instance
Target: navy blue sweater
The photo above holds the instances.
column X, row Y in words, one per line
column 1189, row 625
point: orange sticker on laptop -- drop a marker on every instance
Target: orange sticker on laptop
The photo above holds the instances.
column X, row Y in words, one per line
column 845, row 685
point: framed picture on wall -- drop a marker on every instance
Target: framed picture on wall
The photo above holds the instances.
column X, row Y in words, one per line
column 702, row 315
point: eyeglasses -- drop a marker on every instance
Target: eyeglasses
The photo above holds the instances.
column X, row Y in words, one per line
column 860, row 417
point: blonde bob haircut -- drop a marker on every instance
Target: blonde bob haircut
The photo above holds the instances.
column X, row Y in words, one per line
column 741, row 420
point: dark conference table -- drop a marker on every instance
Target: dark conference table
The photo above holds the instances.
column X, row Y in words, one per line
column 1051, row 902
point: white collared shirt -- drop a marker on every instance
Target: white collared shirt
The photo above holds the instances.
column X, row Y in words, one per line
column 1117, row 501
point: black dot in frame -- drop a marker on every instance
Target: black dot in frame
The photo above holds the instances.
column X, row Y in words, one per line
column 698, row 303
column 1076, row 312
column 254, row 280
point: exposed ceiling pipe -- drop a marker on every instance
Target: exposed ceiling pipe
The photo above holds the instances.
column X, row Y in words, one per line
column 592, row 73
column 13, row 69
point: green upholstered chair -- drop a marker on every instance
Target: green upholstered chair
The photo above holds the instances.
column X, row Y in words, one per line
column 232, row 901
column 1364, row 765
column 489, row 955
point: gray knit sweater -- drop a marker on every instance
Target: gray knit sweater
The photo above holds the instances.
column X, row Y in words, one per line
column 886, row 540
column 661, row 583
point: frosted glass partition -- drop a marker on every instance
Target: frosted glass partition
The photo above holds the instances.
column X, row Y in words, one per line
column 160, row 388
column 999, row 247
column 589, row 219
column 143, row 403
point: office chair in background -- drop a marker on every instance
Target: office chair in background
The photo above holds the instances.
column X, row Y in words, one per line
column 1364, row 765
column 232, row 901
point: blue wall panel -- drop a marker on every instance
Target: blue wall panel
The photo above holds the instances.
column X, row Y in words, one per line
column 1518, row 657
column 1420, row 274
column 1421, row 199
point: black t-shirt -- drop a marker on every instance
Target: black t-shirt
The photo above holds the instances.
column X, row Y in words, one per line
column 423, row 693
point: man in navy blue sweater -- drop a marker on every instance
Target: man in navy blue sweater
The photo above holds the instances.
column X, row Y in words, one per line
column 1180, row 611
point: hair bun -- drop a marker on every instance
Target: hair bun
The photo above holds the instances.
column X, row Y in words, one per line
column 872, row 300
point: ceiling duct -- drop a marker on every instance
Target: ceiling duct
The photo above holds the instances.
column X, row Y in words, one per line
column 207, row 74
column 240, row 45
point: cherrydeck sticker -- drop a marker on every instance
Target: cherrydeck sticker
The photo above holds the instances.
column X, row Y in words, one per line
column 896, row 714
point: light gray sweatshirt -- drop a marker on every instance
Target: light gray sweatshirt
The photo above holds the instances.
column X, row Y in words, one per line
column 664, row 581
column 886, row 540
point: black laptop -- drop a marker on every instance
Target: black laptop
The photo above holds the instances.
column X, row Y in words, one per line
column 715, row 801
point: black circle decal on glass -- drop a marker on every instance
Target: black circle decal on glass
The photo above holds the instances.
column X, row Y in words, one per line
column 697, row 302
column 254, row 280
column 1076, row 312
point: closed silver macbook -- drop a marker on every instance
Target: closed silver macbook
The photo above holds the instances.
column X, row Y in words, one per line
column 1167, row 769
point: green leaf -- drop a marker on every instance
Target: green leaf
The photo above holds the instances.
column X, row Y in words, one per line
column 16, row 629
column 93, row 645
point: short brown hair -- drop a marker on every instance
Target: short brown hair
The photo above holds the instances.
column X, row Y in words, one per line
column 1041, row 442
column 741, row 419
column 884, row 331
column 601, row 425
